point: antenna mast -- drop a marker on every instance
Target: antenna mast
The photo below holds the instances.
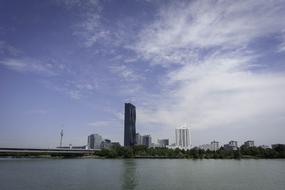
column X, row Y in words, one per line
column 61, row 136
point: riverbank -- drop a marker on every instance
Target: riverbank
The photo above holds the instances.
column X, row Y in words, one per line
column 143, row 152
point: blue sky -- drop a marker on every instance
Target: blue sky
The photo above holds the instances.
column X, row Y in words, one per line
column 216, row 65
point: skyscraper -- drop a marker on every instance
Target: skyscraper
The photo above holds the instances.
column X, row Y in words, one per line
column 130, row 125
column 182, row 137
column 94, row 141
column 146, row 140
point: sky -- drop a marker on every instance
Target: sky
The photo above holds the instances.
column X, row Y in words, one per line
column 217, row 66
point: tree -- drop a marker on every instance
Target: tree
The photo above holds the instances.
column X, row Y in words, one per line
column 237, row 154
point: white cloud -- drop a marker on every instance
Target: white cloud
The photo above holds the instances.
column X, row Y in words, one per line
column 86, row 4
column 126, row 73
column 217, row 83
column 6, row 49
column 182, row 29
column 106, row 34
column 73, row 84
column 220, row 94
column 75, row 88
column 29, row 65
column 281, row 47
column 92, row 30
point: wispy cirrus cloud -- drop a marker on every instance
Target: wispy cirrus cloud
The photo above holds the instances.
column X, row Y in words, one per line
column 86, row 5
column 75, row 88
column 126, row 72
column 7, row 49
column 281, row 47
column 29, row 65
column 54, row 75
column 176, row 36
column 219, row 94
column 218, row 82
column 211, row 42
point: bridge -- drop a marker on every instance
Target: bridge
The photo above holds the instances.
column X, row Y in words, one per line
column 46, row 151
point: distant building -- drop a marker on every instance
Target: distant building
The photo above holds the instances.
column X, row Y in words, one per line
column 214, row 146
column 182, row 137
column 146, row 139
column 249, row 144
column 229, row 147
column 115, row 144
column 264, row 146
column 139, row 140
column 130, row 125
column 163, row 142
column 233, row 145
column 205, row 147
column 94, row 141
column 106, row 144
column 278, row 146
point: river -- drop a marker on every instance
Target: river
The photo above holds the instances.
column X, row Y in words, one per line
column 141, row 174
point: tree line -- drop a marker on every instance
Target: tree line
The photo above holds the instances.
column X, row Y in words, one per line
column 142, row 151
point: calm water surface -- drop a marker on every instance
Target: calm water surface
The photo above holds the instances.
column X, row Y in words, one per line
column 96, row 174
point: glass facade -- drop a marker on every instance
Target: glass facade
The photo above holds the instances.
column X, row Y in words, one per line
column 130, row 125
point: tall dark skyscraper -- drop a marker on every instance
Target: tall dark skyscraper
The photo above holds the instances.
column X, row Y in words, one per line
column 130, row 125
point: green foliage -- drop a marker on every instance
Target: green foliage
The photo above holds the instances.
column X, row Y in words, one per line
column 141, row 151
column 237, row 154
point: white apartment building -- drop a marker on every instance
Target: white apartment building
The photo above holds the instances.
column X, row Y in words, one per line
column 183, row 137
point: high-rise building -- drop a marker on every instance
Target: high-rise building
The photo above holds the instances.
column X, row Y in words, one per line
column 249, row 144
column 214, row 145
column 138, row 139
column 146, row 139
column 130, row 125
column 94, row 141
column 163, row 142
column 182, row 137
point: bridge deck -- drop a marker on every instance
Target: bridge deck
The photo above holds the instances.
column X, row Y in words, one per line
column 47, row 150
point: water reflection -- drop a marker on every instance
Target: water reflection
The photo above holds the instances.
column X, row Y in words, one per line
column 129, row 181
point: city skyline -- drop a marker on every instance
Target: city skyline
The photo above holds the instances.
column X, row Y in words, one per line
column 215, row 65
